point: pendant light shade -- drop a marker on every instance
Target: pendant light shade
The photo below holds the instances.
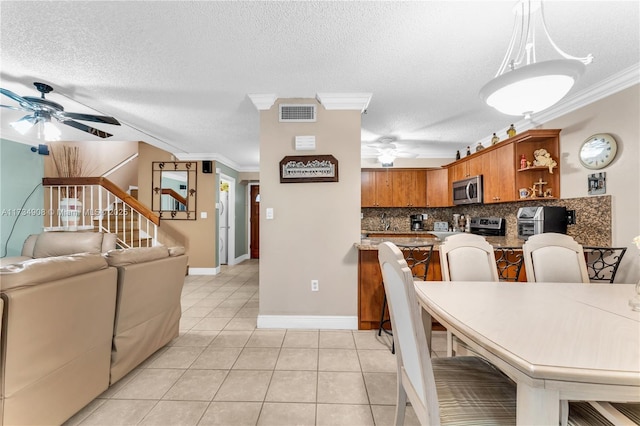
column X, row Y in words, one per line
column 524, row 86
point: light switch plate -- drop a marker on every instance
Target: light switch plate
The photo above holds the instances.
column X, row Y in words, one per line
column 203, row 215
column 269, row 212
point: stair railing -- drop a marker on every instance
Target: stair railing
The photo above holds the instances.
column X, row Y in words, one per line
column 96, row 203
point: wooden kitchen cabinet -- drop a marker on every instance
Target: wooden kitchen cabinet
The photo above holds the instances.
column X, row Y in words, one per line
column 438, row 191
column 499, row 175
column 375, row 188
column 409, row 188
column 526, row 144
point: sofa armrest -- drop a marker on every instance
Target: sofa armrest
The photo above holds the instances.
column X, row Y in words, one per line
column 29, row 245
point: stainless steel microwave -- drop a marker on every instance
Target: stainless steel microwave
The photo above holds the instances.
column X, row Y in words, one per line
column 468, row 191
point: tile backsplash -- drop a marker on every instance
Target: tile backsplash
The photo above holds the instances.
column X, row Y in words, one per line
column 593, row 217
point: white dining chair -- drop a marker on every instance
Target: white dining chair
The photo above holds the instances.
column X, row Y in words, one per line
column 466, row 257
column 555, row 258
column 462, row 390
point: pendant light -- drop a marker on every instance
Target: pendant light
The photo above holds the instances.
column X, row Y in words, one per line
column 523, row 85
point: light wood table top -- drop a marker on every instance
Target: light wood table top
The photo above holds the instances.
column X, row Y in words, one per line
column 558, row 341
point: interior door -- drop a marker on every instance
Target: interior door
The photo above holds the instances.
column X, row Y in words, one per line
column 255, row 223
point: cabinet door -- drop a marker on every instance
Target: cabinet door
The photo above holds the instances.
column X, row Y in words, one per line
column 419, row 193
column 384, row 194
column 499, row 175
column 409, row 188
column 437, row 188
column 367, row 189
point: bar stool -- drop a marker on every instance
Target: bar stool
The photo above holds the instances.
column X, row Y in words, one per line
column 509, row 262
column 418, row 257
column 603, row 262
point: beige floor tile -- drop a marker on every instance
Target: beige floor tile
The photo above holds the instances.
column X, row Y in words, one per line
column 336, row 340
column 301, row 339
column 381, row 388
column 338, row 360
column 195, row 338
column 223, row 312
column 266, row 339
column 210, row 323
column 115, row 412
column 231, row 339
column 376, row 361
column 84, row 413
column 218, row 358
column 231, row 303
column 231, row 414
column 292, row 386
column 297, row 359
column 257, row 359
column 247, row 313
column 341, row 388
column 239, row 323
column 384, row 415
column 244, row 385
column 287, row 414
column 344, row 415
column 175, row 413
column 187, row 323
column 117, row 386
column 177, row 357
column 369, row 339
column 196, row 385
column 197, row 312
column 150, row 383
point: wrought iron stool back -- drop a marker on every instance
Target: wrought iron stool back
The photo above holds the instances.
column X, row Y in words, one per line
column 603, row 262
column 509, row 262
column 418, row 258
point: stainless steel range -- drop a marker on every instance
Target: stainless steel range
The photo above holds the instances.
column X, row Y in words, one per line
column 488, row 226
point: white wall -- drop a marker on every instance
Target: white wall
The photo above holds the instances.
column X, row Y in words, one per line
column 315, row 225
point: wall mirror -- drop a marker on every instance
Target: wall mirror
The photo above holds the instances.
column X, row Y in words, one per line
column 173, row 194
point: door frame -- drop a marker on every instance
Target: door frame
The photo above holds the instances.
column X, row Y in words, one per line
column 231, row 234
column 249, row 210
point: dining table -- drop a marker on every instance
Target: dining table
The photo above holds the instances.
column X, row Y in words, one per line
column 557, row 341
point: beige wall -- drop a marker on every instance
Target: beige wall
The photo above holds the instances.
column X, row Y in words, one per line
column 198, row 236
column 618, row 115
column 315, row 224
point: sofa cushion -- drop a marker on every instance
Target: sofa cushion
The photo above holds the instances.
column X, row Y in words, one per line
column 176, row 251
column 64, row 243
column 44, row 270
column 13, row 259
column 123, row 257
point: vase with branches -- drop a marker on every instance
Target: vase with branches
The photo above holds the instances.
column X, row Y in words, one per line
column 68, row 163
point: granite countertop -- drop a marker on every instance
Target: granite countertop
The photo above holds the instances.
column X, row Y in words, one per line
column 367, row 243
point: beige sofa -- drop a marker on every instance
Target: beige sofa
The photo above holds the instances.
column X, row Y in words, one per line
column 73, row 325
column 48, row 244
column 57, row 329
column 148, row 307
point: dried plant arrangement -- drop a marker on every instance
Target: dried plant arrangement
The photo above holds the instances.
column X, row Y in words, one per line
column 67, row 161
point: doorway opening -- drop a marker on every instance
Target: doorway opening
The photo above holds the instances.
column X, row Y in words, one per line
column 254, row 221
column 226, row 221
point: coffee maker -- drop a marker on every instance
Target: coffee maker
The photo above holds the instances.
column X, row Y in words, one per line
column 416, row 222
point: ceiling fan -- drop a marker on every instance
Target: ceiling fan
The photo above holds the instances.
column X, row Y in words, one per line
column 43, row 110
column 387, row 150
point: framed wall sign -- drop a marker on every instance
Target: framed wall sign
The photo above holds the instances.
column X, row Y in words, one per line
column 308, row 168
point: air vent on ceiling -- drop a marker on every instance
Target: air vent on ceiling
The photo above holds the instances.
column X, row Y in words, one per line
column 297, row 113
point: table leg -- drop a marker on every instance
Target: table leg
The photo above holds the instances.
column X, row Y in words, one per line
column 537, row 406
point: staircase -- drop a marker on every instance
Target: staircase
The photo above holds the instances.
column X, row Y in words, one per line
column 118, row 220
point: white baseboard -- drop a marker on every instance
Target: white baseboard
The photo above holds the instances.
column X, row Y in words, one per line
column 204, row 271
column 310, row 322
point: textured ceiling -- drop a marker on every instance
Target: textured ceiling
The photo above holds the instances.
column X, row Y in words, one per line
column 177, row 74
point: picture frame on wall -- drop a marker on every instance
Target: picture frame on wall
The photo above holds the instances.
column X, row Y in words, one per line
column 597, row 183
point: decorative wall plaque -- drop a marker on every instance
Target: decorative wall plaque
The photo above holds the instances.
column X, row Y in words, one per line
column 308, row 168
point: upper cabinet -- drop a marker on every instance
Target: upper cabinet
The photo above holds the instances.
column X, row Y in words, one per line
column 438, row 188
column 393, row 188
column 375, row 188
column 542, row 181
column 499, row 175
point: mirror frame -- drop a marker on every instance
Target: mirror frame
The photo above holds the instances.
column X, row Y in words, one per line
column 191, row 167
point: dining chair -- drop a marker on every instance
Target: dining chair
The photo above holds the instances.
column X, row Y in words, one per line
column 418, row 258
column 466, row 257
column 552, row 257
column 509, row 261
column 603, row 262
column 470, row 388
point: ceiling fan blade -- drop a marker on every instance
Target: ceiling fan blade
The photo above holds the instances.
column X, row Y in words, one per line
column 86, row 128
column 88, row 117
column 22, row 101
column 15, row 108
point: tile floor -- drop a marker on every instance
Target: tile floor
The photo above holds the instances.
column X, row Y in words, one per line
column 221, row 370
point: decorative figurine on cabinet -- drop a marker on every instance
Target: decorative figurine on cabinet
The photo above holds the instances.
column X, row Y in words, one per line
column 543, row 159
column 511, row 131
column 480, row 147
column 523, row 162
column 468, row 150
column 495, row 139
column 457, row 154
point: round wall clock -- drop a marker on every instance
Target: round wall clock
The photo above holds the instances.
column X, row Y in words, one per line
column 598, row 151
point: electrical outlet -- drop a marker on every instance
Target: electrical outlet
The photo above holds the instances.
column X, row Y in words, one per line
column 571, row 217
column 314, row 285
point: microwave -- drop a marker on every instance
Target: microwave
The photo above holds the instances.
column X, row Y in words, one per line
column 468, row 191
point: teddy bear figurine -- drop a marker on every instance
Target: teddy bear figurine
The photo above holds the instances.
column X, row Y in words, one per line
column 543, row 159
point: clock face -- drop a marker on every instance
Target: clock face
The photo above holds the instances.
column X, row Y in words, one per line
column 598, row 151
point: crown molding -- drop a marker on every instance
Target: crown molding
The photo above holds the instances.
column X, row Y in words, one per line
column 208, row 156
column 263, row 101
column 344, row 101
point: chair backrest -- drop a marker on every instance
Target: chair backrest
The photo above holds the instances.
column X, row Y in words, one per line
column 603, row 262
column 418, row 258
column 552, row 257
column 412, row 352
column 467, row 257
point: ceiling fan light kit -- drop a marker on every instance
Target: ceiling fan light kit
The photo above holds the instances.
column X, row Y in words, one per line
column 524, row 86
column 43, row 111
